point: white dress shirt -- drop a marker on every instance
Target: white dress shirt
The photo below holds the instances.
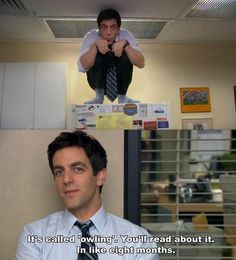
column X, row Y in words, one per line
column 56, row 238
column 94, row 35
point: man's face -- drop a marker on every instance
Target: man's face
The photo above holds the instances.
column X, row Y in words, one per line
column 108, row 30
column 75, row 182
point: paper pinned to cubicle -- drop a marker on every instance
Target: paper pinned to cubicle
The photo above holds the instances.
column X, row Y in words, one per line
column 124, row 116
column 114, row 121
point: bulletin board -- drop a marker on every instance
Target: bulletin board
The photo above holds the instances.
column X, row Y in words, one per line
column 124, row 116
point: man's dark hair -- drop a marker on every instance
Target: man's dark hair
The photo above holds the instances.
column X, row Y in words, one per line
column 108, row 14
column 93, row 149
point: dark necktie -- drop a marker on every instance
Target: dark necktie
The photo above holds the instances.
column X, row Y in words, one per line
column 84, row 227
column 111, row 79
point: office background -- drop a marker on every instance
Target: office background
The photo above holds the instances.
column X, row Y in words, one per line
column 169, row 67
column 188, row 43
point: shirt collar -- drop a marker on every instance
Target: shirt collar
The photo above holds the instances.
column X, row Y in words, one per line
column 99, row 220
column 68, row 221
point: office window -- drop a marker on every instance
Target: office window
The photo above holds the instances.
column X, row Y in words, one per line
column 187, row 192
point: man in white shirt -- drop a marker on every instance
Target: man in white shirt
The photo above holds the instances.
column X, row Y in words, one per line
column 84, row 230
column 109, row 44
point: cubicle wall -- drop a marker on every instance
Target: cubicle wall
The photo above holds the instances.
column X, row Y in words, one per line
column 27, row 187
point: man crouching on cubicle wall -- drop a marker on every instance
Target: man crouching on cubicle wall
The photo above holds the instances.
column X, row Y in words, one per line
column 107, row 55
column 84, row 230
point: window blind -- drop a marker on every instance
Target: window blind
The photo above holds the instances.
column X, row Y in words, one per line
column 188, row 192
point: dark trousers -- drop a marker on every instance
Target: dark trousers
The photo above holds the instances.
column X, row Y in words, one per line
column 96, row 76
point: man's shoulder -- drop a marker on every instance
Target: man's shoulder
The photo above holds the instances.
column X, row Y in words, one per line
column 127, row 35
column 46, row 221
column 125, row 32
column 124, row 224
column 92, row 33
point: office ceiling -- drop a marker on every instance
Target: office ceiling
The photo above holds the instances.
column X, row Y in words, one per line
column 153, row 21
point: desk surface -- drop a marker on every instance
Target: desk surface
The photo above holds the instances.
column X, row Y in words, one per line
column 171, row 205
column 174, row 207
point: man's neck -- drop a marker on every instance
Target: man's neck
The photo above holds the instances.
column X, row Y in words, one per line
column 84, row 214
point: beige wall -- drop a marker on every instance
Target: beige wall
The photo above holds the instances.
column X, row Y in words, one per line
column 27, row 188
column 168, row 67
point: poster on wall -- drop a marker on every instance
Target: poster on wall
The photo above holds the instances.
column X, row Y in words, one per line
column 197, row 123
column 124, row 116
column 195, row 100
